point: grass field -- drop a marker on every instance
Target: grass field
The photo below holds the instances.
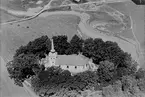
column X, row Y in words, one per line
column 15, row 35
column 22, row 5
column 5, row 16
column 137, row 15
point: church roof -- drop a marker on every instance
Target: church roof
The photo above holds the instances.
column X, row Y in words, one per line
column 71, row 60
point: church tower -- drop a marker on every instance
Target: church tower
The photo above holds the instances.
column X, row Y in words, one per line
column 52, row 55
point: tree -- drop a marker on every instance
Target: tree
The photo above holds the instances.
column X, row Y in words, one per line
column 36, row 84
column 48, row 82
column 21, row 50
column 89, row 79
column 39, row 47
column 114, row 90
column 126, row 65
column 106, row 71
column 21, row 67
column 140, row 77
column 112, row 52
column 87, row 49
column 140, row 73
column 141, row 84
column 61, row 44
column 37, row 69
column 129, row 85
column 98, row 50
column 53, row 80
column 127, row 82
column 75, row 45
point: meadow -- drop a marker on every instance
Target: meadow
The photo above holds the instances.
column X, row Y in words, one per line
column 15, row 35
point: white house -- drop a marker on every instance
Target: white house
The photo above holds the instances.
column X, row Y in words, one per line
column 73, row 63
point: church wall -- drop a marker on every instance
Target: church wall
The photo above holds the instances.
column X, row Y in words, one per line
column 47, row 65
column 73, row 69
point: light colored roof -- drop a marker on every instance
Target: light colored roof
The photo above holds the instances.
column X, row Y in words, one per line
column 73, row 60
column 28, row 81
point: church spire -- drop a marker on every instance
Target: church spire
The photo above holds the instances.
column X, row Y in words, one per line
column 52, row 46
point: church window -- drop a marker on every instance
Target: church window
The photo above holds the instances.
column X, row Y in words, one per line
column 75, row 67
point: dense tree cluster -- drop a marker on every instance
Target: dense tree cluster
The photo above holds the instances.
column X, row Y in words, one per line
column 99, row 50
column 38, row 47
column 140, row 73
column 54, row 79
column 21, row 67
column 61, row 44
column 113, row 63
column 106, row 71
column 127, row 86
column 76, row 45
column 96, row 49
column 54, row 82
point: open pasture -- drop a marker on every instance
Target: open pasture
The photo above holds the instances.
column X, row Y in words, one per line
column 6, row 17
column 136, row 14
column 99, row 15
column 112, row 24
column 56, row 3
column 134, row 30
column 15, row 35
column 22, row 5
column 13, row 4
column 101, row 19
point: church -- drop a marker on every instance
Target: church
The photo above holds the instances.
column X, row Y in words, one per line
column 73, row 63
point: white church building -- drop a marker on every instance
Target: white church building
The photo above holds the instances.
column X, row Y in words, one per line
column 73, row 63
